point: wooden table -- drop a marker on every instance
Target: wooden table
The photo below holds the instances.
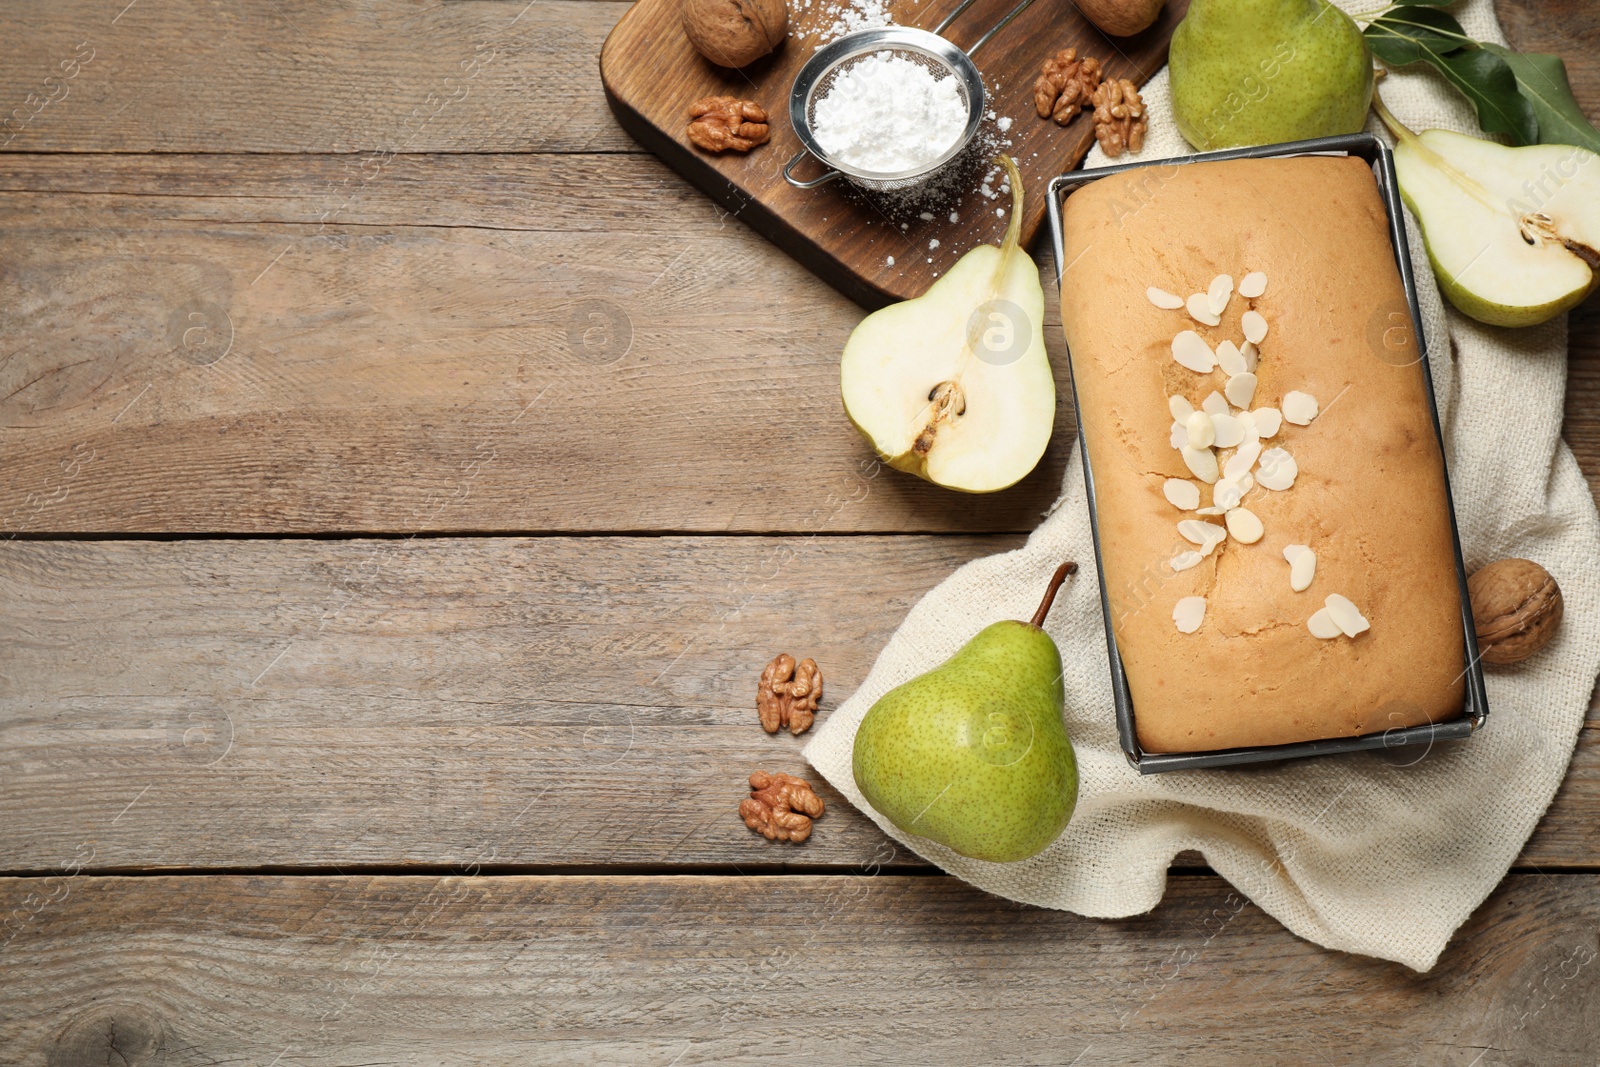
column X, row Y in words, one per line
column 406, row 479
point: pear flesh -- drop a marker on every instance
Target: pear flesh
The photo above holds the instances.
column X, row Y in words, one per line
column 1512, row 233
column 974, row 754
column 955, row 386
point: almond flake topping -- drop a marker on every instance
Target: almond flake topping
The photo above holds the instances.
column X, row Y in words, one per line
column 1302, row 566
column 1255, row 327
column 1210, row 511
column 1321, row 625
column 1240, row 462
column 1200, row 429
column 1189, row 613
column 1213, row 404
column 1230, row 359
column 1180, row 436
column 1252, row 285
column 1226, row 494
column 1217, row 295
column 1199, row 305
column 1184, row 560
column 1202, row 533
column 1228, row 430
column 1278, row 470
column 1181, row 493
column 1202, row 461
column 1181, row 409
column 1164, row 300
column 1191, row 350
column 1248, row 422
column 1241, row 389
column 1251, row 355
column 1243, row 526
column 1268, row 421
column 1299, row 408
column 1345, row 615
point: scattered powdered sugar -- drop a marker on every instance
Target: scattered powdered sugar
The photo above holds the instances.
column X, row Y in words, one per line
column 881, row 92
column 838, row 17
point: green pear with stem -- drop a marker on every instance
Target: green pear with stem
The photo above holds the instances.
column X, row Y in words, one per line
column 974, row 754
column 1251, row 72
column 1512, row 233
column 954, row 386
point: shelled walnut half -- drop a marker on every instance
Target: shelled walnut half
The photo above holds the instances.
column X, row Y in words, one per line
column 780, row 807
column 1120, row 121
column 788, row 694
column 1065, row 86
column 721, row 123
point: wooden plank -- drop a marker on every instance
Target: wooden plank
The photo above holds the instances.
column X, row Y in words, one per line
column 304, row 76
column 697, row 970
column 529, row 703
column 532, row 702
column 267, row 362
column 875, row 248
column 421, row 344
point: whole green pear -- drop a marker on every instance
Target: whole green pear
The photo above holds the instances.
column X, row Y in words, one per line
column 1251, row 72
column 974, row 754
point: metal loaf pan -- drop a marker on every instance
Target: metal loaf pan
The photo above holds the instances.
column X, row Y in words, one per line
column 1475, row 708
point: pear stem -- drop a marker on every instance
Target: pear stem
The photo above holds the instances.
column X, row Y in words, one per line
column 1399, row 129
column 1050, row 592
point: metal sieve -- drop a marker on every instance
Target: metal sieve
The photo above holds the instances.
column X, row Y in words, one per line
column 920, row 46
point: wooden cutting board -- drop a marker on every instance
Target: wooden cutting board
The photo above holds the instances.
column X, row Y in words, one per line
column 652, row 74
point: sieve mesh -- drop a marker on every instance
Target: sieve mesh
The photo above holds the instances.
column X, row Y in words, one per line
column 925, row 49
column 824, row 84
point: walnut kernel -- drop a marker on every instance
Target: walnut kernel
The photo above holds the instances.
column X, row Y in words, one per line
column 1516, row 608
column 1120, row 121
column 720, row 123
column 1065, row 86
column 780, row 807
column 788, row 694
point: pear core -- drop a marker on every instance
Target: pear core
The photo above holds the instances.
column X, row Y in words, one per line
column 1512, row 233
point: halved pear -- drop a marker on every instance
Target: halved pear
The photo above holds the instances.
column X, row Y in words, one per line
column 1512, row 233
column 954, row 386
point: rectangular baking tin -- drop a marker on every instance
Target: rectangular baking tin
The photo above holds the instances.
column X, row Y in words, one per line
column 1475, row 709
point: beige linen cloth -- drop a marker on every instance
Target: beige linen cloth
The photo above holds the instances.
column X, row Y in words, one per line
column 1383, row 854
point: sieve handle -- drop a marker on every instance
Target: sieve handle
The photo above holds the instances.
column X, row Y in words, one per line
column 789, row 177
column 996, row 28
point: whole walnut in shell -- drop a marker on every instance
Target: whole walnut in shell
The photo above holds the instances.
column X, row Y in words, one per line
column 1120, row 18
column 734, row 33
column 1516, row 607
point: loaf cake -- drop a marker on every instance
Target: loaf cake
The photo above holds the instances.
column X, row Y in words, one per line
column 1274, row 523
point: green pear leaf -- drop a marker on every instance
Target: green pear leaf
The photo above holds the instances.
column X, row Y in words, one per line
column 1486, row 80
column 1409, row 35
column 1543, row 80
column 1404, row 37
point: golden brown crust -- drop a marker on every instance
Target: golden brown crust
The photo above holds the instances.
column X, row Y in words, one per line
column 1370, row 498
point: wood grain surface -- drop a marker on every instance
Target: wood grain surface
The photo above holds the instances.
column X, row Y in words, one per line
column 520, row 702
column 875, row 248
column 795, row 969
column 307, row 76
column 313, row 271
column 248, row 344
